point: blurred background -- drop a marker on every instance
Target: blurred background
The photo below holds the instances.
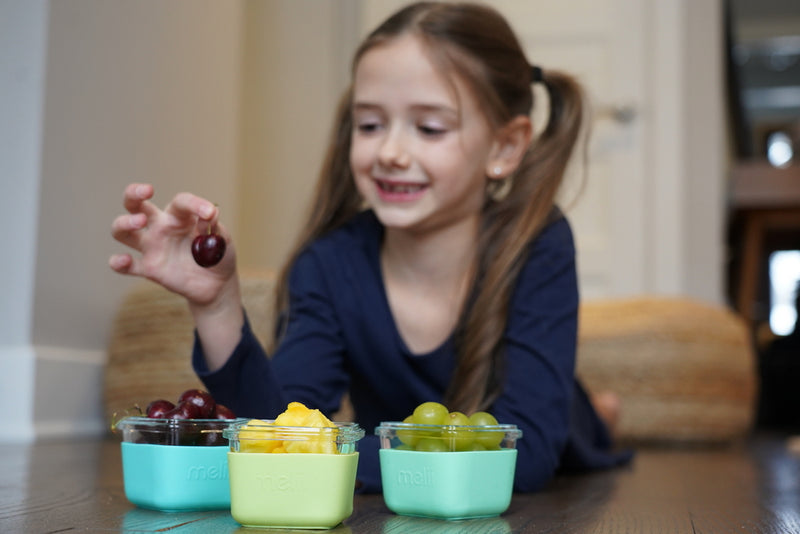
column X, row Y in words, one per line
column 695, row 108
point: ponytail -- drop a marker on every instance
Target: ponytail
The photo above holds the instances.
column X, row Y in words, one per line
column 509, row 226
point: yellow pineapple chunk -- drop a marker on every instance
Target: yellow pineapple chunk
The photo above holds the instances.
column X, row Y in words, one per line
column 256, row 437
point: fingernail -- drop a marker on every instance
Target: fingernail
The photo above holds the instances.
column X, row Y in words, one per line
column 206, row 210
column 140, row 191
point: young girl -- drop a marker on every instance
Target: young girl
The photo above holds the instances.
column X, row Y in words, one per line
column 435, row 265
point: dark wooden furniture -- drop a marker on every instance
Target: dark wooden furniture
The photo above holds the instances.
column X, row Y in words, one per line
column 747, row 487
column 765, row 201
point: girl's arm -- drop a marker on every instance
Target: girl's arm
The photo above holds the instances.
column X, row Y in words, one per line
column 308, row 365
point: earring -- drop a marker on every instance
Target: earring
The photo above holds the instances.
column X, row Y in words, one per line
column 497, row 171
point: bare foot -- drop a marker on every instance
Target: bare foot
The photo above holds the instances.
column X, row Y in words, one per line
column 607, row 404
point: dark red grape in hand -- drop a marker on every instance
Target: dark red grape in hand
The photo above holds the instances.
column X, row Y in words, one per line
column 223, row 412
column 184, row 410
column 202, row 399
column 158, row 408
column 208, row 249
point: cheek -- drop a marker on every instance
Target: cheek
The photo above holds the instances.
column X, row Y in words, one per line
column 359, row 157
column 359, row 166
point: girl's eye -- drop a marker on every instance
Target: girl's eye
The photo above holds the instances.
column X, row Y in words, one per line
column 431, row 131
column 367, row 127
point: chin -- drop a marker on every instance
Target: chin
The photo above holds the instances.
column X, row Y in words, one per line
column 392, row 217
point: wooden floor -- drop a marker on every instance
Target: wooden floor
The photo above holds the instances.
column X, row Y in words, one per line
column 751, row 487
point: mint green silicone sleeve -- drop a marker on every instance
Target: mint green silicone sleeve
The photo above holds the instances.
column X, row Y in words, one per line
column 176, row 478
column 448, row 485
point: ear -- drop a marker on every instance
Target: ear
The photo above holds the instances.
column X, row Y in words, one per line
column 510, row 143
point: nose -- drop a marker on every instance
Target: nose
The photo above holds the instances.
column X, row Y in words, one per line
column 393, row 151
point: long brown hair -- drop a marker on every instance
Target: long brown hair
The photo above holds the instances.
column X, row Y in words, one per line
column 475, row 42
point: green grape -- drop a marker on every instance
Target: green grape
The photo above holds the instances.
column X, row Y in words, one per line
column 482, row 419
column 431, row 445
column 442, row 431
column 430, row 413
column 408, row 436
column 457, row 439
column 489, row 440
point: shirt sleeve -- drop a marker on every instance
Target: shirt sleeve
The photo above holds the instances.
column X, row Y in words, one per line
column 308, row 365
column 540, row 356
column 246, row 383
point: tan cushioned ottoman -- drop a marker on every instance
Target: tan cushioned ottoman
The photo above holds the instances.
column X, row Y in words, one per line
column 684, row 370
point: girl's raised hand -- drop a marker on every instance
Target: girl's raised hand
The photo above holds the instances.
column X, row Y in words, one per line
column 163, row 240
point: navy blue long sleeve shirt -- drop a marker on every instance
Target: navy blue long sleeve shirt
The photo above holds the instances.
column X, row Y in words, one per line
column 340, row 337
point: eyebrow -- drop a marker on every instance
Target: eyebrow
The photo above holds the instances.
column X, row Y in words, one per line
column 369, row 106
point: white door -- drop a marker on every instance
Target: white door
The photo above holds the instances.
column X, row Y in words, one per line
column 602, row 43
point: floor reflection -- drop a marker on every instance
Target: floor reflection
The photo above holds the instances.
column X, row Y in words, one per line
column 412, row 525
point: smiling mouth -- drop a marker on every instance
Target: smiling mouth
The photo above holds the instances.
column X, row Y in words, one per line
column 402, row 188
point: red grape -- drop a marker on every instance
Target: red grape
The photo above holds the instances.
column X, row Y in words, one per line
column 202, row 399
column 223, row 412
column 211, row 435
column 184, row 410
column 157, row 409
column 182, row 429
column 208, row 249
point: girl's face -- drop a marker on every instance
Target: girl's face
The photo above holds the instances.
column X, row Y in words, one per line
column 419, row 152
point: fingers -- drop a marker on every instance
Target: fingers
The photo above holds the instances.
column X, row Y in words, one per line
column 124, row 228
column 136, row 199
column 123, row 264
column 185, row 208
column 188, row 207
column 158, row 235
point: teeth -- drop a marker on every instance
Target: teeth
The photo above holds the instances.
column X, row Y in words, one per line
column 401, row 188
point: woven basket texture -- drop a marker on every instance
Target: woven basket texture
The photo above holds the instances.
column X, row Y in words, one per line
column 685, row 371
column 149, row 354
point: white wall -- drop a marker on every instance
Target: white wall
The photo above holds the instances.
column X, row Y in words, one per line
column 23, row 34
column 688, row 194
column 101, row 93
column 705, row 200
column 297, row 58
